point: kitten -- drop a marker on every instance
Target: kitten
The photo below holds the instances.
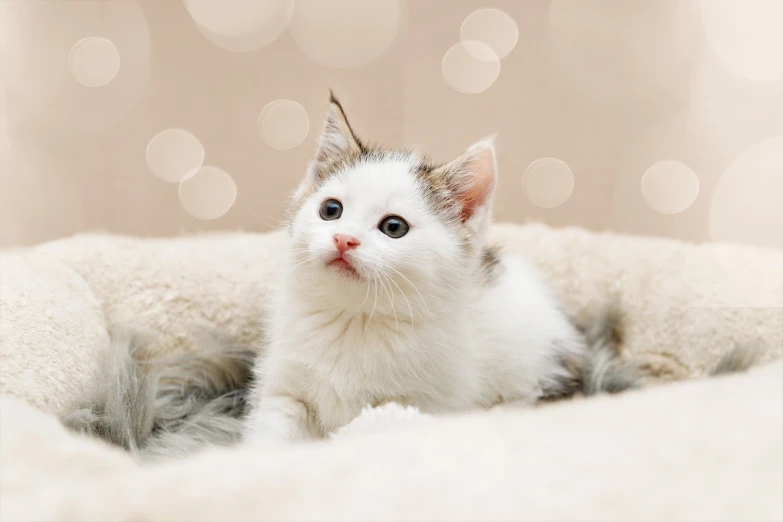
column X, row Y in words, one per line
column 391, row 293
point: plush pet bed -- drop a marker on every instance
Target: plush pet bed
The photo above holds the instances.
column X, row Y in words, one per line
column 703, row 449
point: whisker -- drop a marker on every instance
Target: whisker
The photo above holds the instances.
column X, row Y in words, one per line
column 364, row 301
column 294, row 267
column 282, row 223
column 410, row 308
column 375, row 291
column 391, row 301
column 421, row 297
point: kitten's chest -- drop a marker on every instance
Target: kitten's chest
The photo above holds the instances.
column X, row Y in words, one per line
column 351, row 363
column 353, row 354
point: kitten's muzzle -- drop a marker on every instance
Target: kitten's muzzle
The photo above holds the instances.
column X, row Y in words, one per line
column 343, row 265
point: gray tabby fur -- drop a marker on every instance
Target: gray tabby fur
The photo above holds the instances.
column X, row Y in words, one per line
column 604, row 370
column 168, row 406
column 599, row 368
column 738, row 360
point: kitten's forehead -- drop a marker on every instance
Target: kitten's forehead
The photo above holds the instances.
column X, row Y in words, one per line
column 391, row 177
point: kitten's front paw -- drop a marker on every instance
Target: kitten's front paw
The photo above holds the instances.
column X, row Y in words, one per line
column 380, row 419
column 267, row 431
column 283, row 420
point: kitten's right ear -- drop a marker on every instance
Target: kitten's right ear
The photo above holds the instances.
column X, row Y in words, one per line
column 337, row 139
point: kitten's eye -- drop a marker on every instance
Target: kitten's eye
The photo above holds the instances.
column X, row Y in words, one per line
column 394, row 227
column 331, row 209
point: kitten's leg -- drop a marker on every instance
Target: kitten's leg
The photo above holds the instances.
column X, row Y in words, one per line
column 278, row 418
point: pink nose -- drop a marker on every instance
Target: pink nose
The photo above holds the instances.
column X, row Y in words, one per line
column 345, row 242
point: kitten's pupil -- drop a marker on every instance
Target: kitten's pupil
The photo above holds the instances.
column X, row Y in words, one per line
column 394, row 227
column 331, row 209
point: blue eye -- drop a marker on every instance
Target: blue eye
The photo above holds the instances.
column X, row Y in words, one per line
column 331, row 209
column 394, row 226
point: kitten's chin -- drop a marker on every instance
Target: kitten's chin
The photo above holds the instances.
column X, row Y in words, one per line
column 342, row 268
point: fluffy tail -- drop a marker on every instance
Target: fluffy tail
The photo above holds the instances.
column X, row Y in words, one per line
column 593, row 365
column 600, row 368
column 168, row 406
column 604, row 370
column 738, row 360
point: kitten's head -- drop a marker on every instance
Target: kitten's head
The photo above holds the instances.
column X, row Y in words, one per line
column 368, row 220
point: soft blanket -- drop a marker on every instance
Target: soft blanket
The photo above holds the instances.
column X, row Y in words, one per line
column 703, row 449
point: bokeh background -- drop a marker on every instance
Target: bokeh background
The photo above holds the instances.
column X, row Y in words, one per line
column 166, row 117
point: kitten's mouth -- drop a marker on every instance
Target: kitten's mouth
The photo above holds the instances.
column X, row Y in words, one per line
column 343, row 266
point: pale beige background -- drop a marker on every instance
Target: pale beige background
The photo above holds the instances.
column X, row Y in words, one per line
column 665, row 116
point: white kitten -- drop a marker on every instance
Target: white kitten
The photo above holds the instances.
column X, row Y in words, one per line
column 390, row 294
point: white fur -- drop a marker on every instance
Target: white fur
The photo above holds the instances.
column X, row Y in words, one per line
column 390, row 416
column 418, row 327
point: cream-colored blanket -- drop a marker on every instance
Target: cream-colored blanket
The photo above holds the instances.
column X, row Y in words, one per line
column 699, row 450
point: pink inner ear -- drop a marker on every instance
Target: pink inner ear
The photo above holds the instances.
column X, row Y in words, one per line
column 480, row 171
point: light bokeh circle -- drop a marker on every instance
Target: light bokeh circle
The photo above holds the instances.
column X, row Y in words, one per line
column 470, row 67
column 283, row 124
column 207, row 192
column 173, row 154
column 618, row 52
column 548, row 182
column 493, row 27
column 746, row 36
column 345, row 34
column 670, row 187
column 94, row 61
column 241, row 25
column 746, row 209
column 49, row 52
column 747, row 204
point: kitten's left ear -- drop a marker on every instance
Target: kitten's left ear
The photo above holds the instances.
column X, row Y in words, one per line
column 472, row 178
